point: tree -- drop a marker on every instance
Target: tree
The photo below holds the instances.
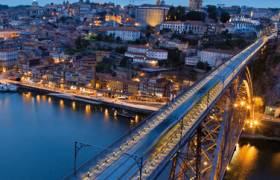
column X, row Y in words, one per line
column 225, row 17
column 195, row 16
column 174, row 58
column 124, row 62
column 121, row 49
column 81, row 43
column 181, row 13
column 3, row 7
column 176, row 14
column 105, row 66
column 171, row 15
column 212, row 12
column 203, row 65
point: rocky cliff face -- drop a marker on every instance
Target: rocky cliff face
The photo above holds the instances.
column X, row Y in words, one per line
column 266, row 75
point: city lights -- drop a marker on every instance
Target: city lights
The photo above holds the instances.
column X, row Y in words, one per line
column 164, row 87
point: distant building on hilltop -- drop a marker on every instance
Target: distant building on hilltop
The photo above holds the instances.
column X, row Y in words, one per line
column 158, row 2
column 195, row 5
column 151, row 15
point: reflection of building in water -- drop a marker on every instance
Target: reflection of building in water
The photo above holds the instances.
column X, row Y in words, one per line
column 88, row 109
column 74, row 105
column 152, row 15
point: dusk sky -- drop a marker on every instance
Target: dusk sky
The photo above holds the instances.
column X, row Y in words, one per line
column 255, row 3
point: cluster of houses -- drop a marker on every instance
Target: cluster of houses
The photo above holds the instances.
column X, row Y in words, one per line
column 35, row 41
column 146, row 54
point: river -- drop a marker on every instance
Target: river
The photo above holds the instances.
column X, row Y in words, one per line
column 255, row 160
column 37, row 134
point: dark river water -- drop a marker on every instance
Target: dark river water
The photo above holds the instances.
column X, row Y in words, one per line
column 255, row 160
column 37, row 134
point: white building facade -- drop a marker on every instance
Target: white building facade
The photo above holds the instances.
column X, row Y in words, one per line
column 157, row 54
column 243, row 25
column 145, row 54
column 125, row 34
column 214, row 57
column 175, row 26
column 196, row 27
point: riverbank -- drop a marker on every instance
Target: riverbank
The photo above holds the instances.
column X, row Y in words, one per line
column 85, row 98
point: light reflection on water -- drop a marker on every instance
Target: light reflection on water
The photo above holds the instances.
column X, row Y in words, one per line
column 74, row 106
column 245, row 156
column 31, row 98
column 276, row 161
column 255, row 159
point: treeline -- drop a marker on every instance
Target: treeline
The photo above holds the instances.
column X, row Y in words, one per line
column 3, row 7
column 179, row 14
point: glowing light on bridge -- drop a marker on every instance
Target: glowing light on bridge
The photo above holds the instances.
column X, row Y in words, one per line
column 248, row 107
column 242, row 103
column 228, row 168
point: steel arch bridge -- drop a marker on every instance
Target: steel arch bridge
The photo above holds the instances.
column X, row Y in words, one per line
column 193, row 137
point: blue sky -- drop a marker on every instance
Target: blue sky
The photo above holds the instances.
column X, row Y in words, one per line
column 255, row 3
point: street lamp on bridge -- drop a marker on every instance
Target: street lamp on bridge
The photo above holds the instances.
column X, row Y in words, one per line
column 77, row 147
column 139, row 162
column 138, row 159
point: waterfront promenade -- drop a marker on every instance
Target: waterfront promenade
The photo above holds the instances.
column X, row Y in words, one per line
column 266, row 128
column 70, row 95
